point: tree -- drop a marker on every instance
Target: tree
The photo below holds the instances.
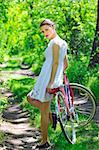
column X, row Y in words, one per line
column 94, row 52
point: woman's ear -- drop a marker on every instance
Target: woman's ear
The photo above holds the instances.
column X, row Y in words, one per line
column 53, row 26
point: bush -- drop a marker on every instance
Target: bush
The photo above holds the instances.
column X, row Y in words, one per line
column 93, row 82
column 2, row 137
column 76, row 71
column 3, row 104
column 20, row 87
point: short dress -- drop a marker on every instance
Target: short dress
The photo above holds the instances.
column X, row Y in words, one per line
column 39, row 91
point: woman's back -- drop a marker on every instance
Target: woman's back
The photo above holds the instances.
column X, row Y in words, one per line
column 49, row 59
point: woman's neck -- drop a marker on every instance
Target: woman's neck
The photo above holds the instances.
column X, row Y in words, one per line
column 54, row 35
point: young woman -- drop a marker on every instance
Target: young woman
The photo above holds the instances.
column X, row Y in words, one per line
column 51, row 76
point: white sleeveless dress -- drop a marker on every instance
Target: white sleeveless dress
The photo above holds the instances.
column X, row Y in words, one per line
column 39, row 90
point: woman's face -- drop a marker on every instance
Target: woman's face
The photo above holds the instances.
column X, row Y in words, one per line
column 48, row 31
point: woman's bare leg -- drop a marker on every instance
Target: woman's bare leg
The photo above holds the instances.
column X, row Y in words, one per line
column 44, row 108
column 34, row 102
column 45, row 121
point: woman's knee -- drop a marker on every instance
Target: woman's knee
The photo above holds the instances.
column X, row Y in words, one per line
column 30, row 100
column 34, row 102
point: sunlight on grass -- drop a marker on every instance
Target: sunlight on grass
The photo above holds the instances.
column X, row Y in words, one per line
column 87, row 138
column 20, row 87
column 2, row 137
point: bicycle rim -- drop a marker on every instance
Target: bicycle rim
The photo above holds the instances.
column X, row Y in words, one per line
column 67, row 126
column 84, row 103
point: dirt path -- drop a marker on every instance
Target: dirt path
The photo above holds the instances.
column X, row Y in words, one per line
column 15, row 124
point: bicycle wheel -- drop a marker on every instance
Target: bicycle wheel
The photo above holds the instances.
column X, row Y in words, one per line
column 84, row 103
column 66, row 124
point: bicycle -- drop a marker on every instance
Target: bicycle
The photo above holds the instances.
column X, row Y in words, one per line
column 74, row 106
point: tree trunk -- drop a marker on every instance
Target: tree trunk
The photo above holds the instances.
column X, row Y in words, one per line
column 94, row 56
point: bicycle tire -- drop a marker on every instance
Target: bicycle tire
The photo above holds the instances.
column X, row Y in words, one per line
column 67, row 126
column 84, row 103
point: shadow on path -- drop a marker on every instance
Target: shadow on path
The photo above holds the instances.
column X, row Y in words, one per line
column 15, row 124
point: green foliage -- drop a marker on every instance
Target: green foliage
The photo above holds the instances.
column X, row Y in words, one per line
column 2, row 137
column 20, row 87
column 76, row 71
column 93, row 81
column 94, row 86
column 27, row 61
column 20, row 33
column 86, row 138
column 3, row 104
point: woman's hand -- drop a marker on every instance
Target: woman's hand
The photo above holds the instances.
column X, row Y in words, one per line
column 49, row 87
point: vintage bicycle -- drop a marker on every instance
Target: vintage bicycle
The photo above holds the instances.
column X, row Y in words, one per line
column 74, row 106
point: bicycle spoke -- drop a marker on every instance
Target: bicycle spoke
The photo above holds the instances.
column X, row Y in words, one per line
column 84, row 104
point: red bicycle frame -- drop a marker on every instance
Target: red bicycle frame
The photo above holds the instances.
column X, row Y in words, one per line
column 68, row 97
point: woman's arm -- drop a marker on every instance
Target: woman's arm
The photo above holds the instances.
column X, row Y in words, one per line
column 55, row 52
column 65, row 62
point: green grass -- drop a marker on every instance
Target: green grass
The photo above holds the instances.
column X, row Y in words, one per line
column 11, row 64
column 3, row 105
column 3, row 100
column 87, row 139
column 20, row 87
column 2, row 137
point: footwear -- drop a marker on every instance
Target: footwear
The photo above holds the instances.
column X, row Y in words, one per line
column 54, row 117
column 45, row 145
